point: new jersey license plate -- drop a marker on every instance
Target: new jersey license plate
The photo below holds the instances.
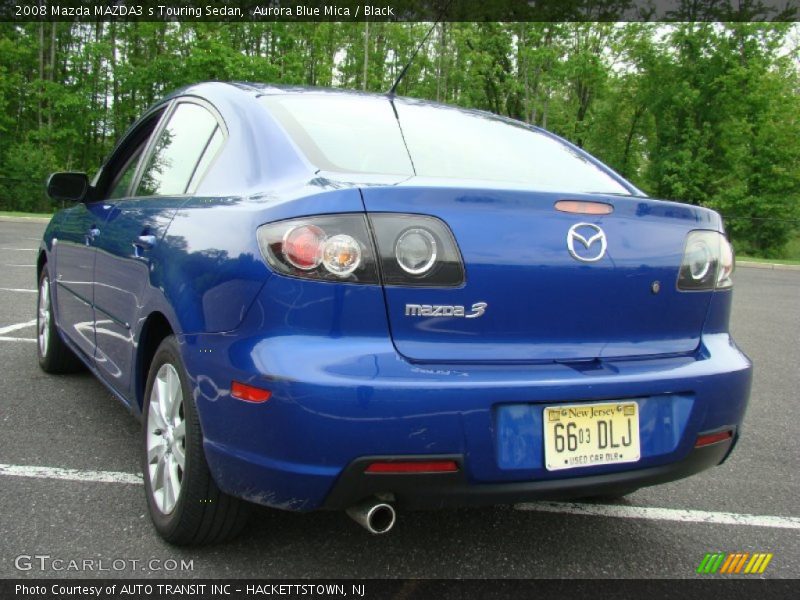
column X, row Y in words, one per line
column 585, row 435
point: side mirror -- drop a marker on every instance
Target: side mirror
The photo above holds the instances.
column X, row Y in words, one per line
column 68, row 186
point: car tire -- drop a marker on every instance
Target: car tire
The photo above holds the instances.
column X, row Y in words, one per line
column 54, row 355
column 185, row 504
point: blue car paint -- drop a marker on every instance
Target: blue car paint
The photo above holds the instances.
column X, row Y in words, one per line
column 342, row 401
column 123, row 280
column 513, row 244
column 520, row 443
column 349, row 377
column 74, row 310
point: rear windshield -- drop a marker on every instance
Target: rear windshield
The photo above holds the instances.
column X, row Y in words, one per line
column 360, row 134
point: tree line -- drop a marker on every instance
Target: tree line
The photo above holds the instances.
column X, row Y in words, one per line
column 704, row 113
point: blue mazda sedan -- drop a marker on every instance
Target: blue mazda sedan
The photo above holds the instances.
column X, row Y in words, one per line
column 318, row 299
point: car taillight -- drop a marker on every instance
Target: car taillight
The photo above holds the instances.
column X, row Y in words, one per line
column 302, row 246
column 707, row 263
column 414, row 250
column 341, row 254
column 332, row 248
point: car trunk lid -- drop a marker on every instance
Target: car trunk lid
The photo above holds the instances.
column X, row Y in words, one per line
column 542, row 302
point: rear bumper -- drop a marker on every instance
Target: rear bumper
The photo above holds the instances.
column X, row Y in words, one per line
column 337, row 402
column 454, row 489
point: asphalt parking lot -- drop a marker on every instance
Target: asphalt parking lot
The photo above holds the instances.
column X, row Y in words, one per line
column 72, row 422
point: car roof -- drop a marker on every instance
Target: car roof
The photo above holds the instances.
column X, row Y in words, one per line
column 271, row 88
column 256, row 89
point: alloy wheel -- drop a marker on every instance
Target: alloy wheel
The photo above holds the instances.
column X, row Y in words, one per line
column 43, row 324
column 166, row 438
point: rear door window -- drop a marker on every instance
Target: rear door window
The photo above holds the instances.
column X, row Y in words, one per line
column 176, row 153
column 212, row 147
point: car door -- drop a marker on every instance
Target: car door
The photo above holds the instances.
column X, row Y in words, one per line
column 169, row 168
column 72, row 268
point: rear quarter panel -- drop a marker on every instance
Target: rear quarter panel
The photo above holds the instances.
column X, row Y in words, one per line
column 213, row 268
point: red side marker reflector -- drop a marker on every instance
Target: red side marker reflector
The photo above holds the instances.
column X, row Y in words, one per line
column 584, row 208
column 431, row 466
column 248, row 393
column 712, row 438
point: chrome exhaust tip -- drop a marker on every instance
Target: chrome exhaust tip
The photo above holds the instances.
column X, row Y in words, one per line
column 373, row 515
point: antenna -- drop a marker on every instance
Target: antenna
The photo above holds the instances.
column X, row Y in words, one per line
column 421, row 44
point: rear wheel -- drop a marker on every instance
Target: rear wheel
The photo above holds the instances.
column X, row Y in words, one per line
column 54, row 355
column 185, row 504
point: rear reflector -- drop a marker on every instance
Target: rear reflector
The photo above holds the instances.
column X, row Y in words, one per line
column 431, row 466
column 584, row 208
column 713, row 438
column 248, row 393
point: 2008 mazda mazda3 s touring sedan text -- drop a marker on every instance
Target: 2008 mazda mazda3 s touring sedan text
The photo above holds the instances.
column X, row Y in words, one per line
column 321, row 299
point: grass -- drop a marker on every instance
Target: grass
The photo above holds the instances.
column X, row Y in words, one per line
column 793, row 248
column 15, row 213
column 791, row 254
column 780, row 261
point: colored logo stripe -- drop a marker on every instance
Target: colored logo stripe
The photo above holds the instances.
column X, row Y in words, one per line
column 711, row 562
column 729, row 562
column 734, row 563
column 758, row 563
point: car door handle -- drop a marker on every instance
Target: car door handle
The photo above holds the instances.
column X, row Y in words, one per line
column 90, row 235
column 145, row 241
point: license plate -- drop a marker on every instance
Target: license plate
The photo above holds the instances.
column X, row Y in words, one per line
column 585, row 435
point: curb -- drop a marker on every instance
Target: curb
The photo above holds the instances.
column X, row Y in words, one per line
column 770, row 266
column 8, row 219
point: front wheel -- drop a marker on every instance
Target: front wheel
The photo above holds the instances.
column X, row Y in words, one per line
column 185, row 504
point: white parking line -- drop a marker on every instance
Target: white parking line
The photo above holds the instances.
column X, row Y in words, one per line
column 574, row 508
column 17, row 290
column 21, row 249
column 10, row 328
column 70, row 474
column 662, row 514
column 4, row 338
column 26, row 266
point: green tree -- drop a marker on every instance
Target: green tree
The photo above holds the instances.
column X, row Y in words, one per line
column 706, row 113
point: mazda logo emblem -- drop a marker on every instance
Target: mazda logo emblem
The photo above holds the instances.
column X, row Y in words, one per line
column 593, row 240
